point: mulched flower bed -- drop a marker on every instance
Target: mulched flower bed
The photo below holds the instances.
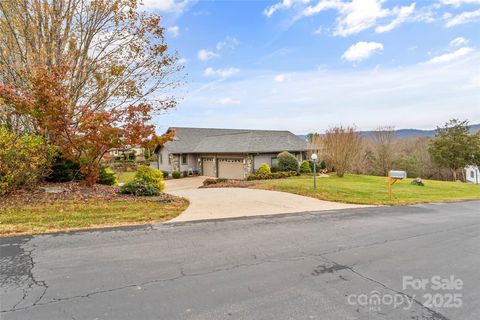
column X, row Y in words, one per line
column 50, row 192
column 228, row 184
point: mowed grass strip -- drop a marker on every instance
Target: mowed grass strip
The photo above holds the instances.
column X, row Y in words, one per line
column 124, row 177
column 362, row 189
column 77, row 215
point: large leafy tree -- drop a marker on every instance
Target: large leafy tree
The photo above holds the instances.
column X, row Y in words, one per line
column 86, row 74
column 453, row 146
column 85, row 137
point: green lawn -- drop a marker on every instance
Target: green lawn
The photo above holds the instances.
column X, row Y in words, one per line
column 124, row 177
column 75, row 215
column 362, row 189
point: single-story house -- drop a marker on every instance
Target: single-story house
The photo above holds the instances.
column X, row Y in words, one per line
column 226, row 153
column 127, row 153
column 472, row 174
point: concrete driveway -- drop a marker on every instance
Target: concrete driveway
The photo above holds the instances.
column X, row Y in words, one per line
column 217, row 203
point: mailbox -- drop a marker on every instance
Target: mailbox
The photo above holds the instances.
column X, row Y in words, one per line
column 394, row 176
column 397, row 174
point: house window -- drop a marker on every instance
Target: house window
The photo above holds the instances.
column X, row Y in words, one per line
column 472, row 174
column 169, row 160
column 274, row 162
column 184, row 159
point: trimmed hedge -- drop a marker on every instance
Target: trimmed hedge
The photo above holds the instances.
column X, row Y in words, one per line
column 273, row 175
column 140, row 189
column 305, row 167
column 176, row 175
column 264, row 169
column 287, row 162
column 149, row 175
column 211, row 181
column 64, row 170
column 107, row 176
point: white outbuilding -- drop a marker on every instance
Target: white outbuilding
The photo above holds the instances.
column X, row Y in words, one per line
column 472, row 174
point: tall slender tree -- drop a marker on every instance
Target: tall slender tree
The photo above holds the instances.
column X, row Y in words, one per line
column 383, row 145
column 340, row 145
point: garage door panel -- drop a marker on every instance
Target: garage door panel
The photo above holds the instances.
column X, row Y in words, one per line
column 230, row 168
column 208, row 167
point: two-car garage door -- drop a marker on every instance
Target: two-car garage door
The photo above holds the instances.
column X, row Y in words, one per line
column 227, row 168
column 230, row 168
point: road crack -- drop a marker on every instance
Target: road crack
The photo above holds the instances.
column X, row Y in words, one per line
column 32, row 281
column 433, row 315
column 182, row 274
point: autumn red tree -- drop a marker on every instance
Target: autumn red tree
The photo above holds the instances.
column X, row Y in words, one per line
column 82, row 134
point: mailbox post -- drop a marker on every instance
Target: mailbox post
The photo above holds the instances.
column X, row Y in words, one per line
column 394, row 176
column 314, row 160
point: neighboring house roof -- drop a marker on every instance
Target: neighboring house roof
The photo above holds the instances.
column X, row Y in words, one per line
column 207, row 140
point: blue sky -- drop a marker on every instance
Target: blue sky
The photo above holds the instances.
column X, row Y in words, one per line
column 306, row 65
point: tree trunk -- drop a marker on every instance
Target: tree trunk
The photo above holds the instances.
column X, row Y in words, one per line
column 454, row 173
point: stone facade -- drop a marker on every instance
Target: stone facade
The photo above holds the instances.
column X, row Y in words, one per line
column 175, row 162
column 248, row 166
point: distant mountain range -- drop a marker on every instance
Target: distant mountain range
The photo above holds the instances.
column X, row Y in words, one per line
column 408, row 133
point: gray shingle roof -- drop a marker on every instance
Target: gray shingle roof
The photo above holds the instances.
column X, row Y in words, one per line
column 206, row 140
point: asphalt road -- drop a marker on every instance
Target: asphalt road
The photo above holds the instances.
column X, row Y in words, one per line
column 339, row 265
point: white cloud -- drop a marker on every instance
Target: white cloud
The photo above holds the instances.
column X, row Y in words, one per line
column 284, row 4
column 359, row 15
column 174, row 31
column 281, row 77
column 322, row 6
column 228, row 43
column 361, row 50
column 167, row 5
column 226, row 101
column 402, row 13
column 447, row 57
column 458, row 3
column 462, row 18
column 457, row 42
column 353, row 16
column 205, row 55
column 222, row 73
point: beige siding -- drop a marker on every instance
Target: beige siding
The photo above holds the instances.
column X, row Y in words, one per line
column 263, row 158
column 163, row 161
